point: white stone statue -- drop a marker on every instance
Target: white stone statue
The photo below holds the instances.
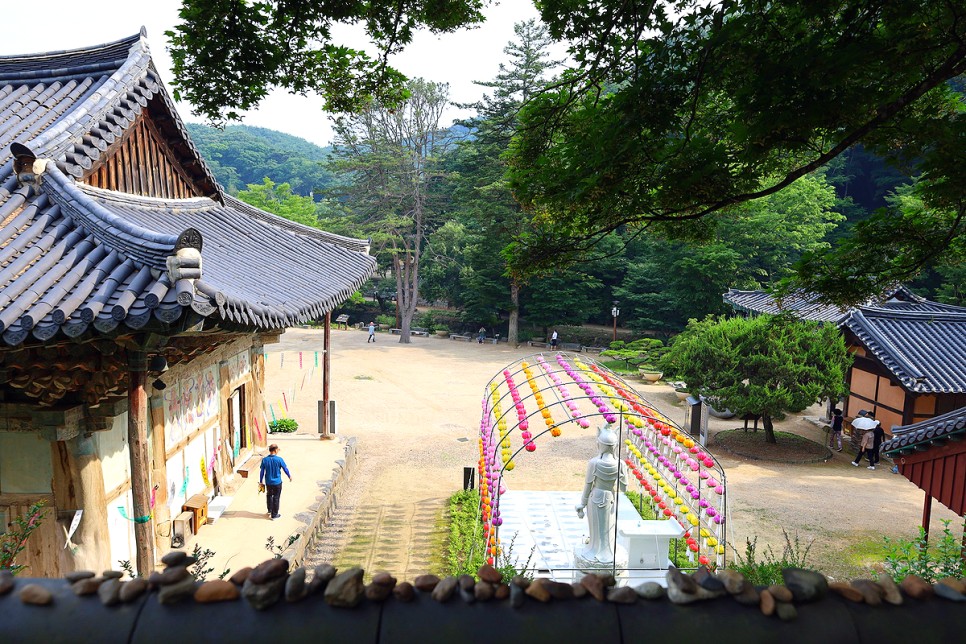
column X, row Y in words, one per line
column 606, row 476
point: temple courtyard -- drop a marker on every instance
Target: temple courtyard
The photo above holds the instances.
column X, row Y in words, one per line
column 414, row 411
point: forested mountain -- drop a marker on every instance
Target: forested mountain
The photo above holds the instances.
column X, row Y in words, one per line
column 240, row 155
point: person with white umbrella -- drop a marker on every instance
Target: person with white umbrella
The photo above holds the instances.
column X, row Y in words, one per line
column 865, row 424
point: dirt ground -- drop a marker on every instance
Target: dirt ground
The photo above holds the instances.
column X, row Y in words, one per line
column 415, row 412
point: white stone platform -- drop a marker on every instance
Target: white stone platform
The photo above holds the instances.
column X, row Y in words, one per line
column 547, row 523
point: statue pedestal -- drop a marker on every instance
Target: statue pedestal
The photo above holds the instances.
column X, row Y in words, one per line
column 585, row 564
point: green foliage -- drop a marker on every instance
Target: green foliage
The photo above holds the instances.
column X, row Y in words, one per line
column 763, row 365
column 465, row 552
column 240, row 155
column 14, row 539
column 228, row 54
column 916, row 557
column 386, row 320
column 644, row 353
column 278, row 549
column 200, row 568
column 283, row 426
column 768, row 570
column 674, row 114
column 389, row 159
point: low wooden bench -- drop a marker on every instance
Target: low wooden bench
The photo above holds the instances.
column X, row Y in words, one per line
column 411, row 332
column 537, row 343
column 596, row 350
column 457, row 336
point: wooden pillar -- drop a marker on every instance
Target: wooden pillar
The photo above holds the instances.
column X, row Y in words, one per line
column 326, row 346
column 78, row 484
column 926, row 515
column 159, row 474
column 137, row 435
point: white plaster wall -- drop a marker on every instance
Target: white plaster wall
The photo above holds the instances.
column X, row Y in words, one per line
column 115, row 457
column 121, row 530
column 25, row 463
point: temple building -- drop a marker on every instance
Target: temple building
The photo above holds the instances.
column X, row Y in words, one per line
column 136, row 297
column 910, row 353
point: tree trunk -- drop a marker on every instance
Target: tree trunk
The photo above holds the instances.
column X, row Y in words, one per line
column 407, row 285
column 513, row 333
column 769, row 429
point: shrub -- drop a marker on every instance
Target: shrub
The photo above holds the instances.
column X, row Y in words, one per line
column 465, row 552
column 14, row 540
column 283, row 426
column 915, row 557
column 388, row 320
column 768, row 570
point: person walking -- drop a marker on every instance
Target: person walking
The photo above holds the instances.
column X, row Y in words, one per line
column 836, row 432
column 878, row 437
column 372, row 332
column 270, row 474
column 481, row 335
column 865, row 447
column 553, row 339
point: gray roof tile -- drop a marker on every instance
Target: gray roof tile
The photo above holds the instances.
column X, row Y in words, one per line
column 73, row 257
column 908, row 436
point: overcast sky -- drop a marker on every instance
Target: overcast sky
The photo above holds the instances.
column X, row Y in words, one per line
column 457, row 59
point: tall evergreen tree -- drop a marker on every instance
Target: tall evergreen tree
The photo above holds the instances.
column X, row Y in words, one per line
column 482, row 194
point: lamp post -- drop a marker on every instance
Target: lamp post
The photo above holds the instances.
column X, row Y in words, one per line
column 615, row 312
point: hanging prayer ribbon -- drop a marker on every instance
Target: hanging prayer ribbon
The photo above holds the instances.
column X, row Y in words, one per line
column 204, row 472
column 184, row 486
column 272, row 409
column 300, row 360
column 258, row 430
column 154, row 493
column 304, row 376
column 123, row 512
column 316, row 358
column 282, row 360
column 285, row 400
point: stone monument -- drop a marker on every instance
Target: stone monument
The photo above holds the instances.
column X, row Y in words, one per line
column 606, row 478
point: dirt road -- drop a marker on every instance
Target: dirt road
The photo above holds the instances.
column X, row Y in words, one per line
column 415, row 411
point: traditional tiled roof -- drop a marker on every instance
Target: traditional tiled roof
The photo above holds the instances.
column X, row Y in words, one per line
column 924, row 350
column 79, row 259
column 939, row 427
column 807, row 307
column 72, row 105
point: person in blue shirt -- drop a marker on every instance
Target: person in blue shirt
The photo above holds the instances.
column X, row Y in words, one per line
column 271, row 474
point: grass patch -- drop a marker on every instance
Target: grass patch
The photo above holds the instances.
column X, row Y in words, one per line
column 464, row 551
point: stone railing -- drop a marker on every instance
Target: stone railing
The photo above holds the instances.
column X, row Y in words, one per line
column 323, row 509
column 284, row 605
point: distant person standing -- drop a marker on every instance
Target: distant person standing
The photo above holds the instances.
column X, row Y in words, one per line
column 271, row 474
column 372, row 332
column 481, row 335
column 836, row 432
column 553, row 339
